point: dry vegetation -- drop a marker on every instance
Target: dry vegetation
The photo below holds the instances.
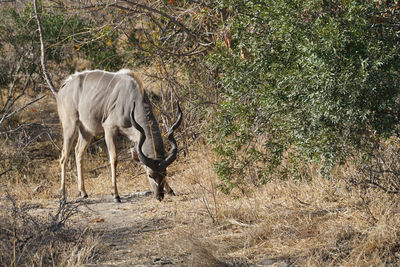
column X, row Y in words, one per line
column 322, row 222
column 318, row 223
column 29, row 238
column 349, row 219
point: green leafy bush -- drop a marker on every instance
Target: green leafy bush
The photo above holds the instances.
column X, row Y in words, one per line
column 304, row 80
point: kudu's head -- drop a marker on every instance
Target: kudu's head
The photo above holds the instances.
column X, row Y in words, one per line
column 157, row 168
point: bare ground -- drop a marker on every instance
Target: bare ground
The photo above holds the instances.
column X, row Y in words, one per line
column 141, row 231
column 125, row 227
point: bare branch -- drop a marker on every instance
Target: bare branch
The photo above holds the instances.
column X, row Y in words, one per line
column 134, row 7
column 23, row 107
column 4, row 172
column 170, row 18
column 42, row 54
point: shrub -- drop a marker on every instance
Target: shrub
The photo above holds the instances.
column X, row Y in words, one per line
column 304, row 79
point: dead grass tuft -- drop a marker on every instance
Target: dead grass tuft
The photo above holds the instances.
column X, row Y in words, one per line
column 199, row 251
column 27, row 238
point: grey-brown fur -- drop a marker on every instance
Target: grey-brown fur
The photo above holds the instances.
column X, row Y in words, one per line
column 96, row 102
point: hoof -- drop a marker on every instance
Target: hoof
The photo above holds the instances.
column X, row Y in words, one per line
column 61, row 194
column 160, row 197
column 82, row 195
column 171, row 193
column 117, row 199
column 63, row 198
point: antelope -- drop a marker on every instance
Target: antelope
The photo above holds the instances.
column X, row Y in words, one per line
column 100, row 102
column 96, row 102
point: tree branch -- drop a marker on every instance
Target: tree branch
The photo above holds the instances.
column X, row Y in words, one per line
column 137, row 6
column 23, row 107
column 42, row 51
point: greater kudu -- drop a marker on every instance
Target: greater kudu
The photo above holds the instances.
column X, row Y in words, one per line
column 96, row 102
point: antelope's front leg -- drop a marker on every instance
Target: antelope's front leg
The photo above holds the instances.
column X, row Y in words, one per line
column 109, row 136
column 168, row 189
column 81, row 145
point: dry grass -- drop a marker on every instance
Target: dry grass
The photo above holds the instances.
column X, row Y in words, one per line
column 31, row 239
column 322, row 222
column 317, row 223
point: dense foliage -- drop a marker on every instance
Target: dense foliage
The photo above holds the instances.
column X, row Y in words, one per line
column 277, row 83
column 304, row 80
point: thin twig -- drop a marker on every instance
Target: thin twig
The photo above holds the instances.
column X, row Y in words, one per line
column 23, row 107
column 4, row 172
column 20, row 109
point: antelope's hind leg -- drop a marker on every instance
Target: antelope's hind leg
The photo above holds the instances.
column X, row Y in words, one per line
column 69, row 132
column 84, row 139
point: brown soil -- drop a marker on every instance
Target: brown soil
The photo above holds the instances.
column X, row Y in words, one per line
column 142, row 231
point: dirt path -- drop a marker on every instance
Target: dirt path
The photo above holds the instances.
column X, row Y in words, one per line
column 141, row 231
column 131, row 230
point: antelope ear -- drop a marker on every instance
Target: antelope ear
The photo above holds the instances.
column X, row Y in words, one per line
column 135, row 155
